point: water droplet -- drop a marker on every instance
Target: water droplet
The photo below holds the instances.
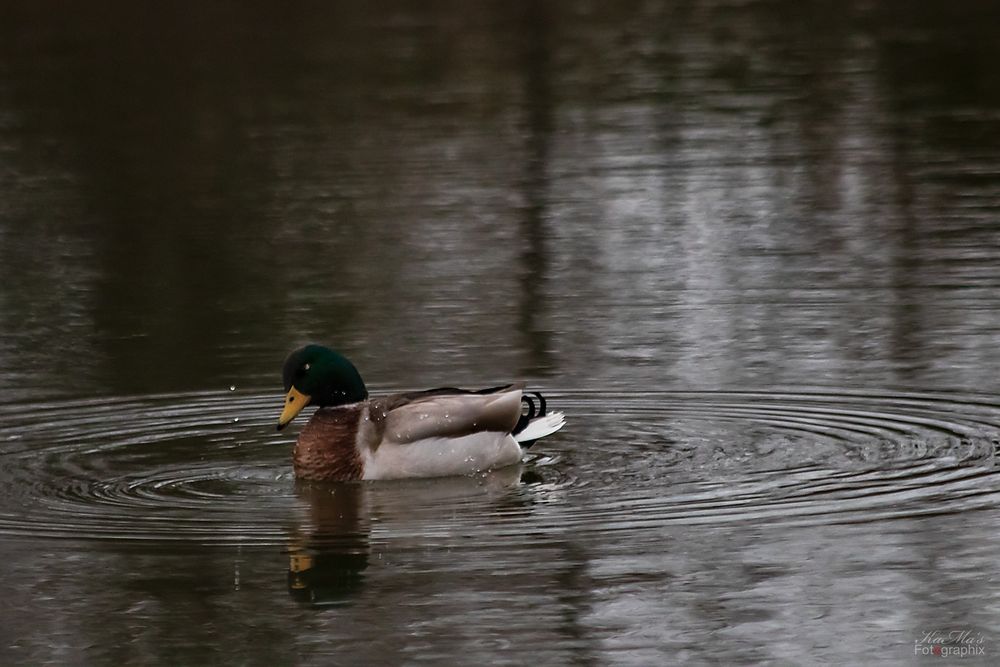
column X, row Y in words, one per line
column 232, row 387
column 236, row 419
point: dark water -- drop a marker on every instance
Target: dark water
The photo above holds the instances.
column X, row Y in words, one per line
column 751, row 249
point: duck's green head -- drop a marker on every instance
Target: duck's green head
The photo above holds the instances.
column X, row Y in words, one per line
column 315, row 375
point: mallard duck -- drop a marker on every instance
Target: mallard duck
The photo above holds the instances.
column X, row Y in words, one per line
column 431, row 433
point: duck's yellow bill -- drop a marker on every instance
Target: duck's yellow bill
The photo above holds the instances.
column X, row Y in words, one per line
column 295, row 400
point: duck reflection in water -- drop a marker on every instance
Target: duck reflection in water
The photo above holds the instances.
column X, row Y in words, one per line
column 329, row 552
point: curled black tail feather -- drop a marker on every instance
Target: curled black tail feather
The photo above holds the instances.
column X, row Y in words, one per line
column 541, row 403
column 533, row 412
column 524, row 419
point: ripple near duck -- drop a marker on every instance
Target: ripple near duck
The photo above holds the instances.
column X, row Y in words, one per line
column 208, row 468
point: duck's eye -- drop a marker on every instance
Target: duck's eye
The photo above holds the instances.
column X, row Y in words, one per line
column 306, row 367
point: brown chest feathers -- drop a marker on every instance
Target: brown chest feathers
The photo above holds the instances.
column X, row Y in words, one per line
column 326, row 449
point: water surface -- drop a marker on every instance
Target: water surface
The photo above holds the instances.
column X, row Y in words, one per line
column 749, row 248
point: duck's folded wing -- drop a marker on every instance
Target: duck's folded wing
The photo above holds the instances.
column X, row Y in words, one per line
column 438, row 414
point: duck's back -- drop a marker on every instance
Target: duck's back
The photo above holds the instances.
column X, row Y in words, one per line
column 445, row 413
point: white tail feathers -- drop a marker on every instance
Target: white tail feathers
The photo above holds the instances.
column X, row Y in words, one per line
column 541, row 427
